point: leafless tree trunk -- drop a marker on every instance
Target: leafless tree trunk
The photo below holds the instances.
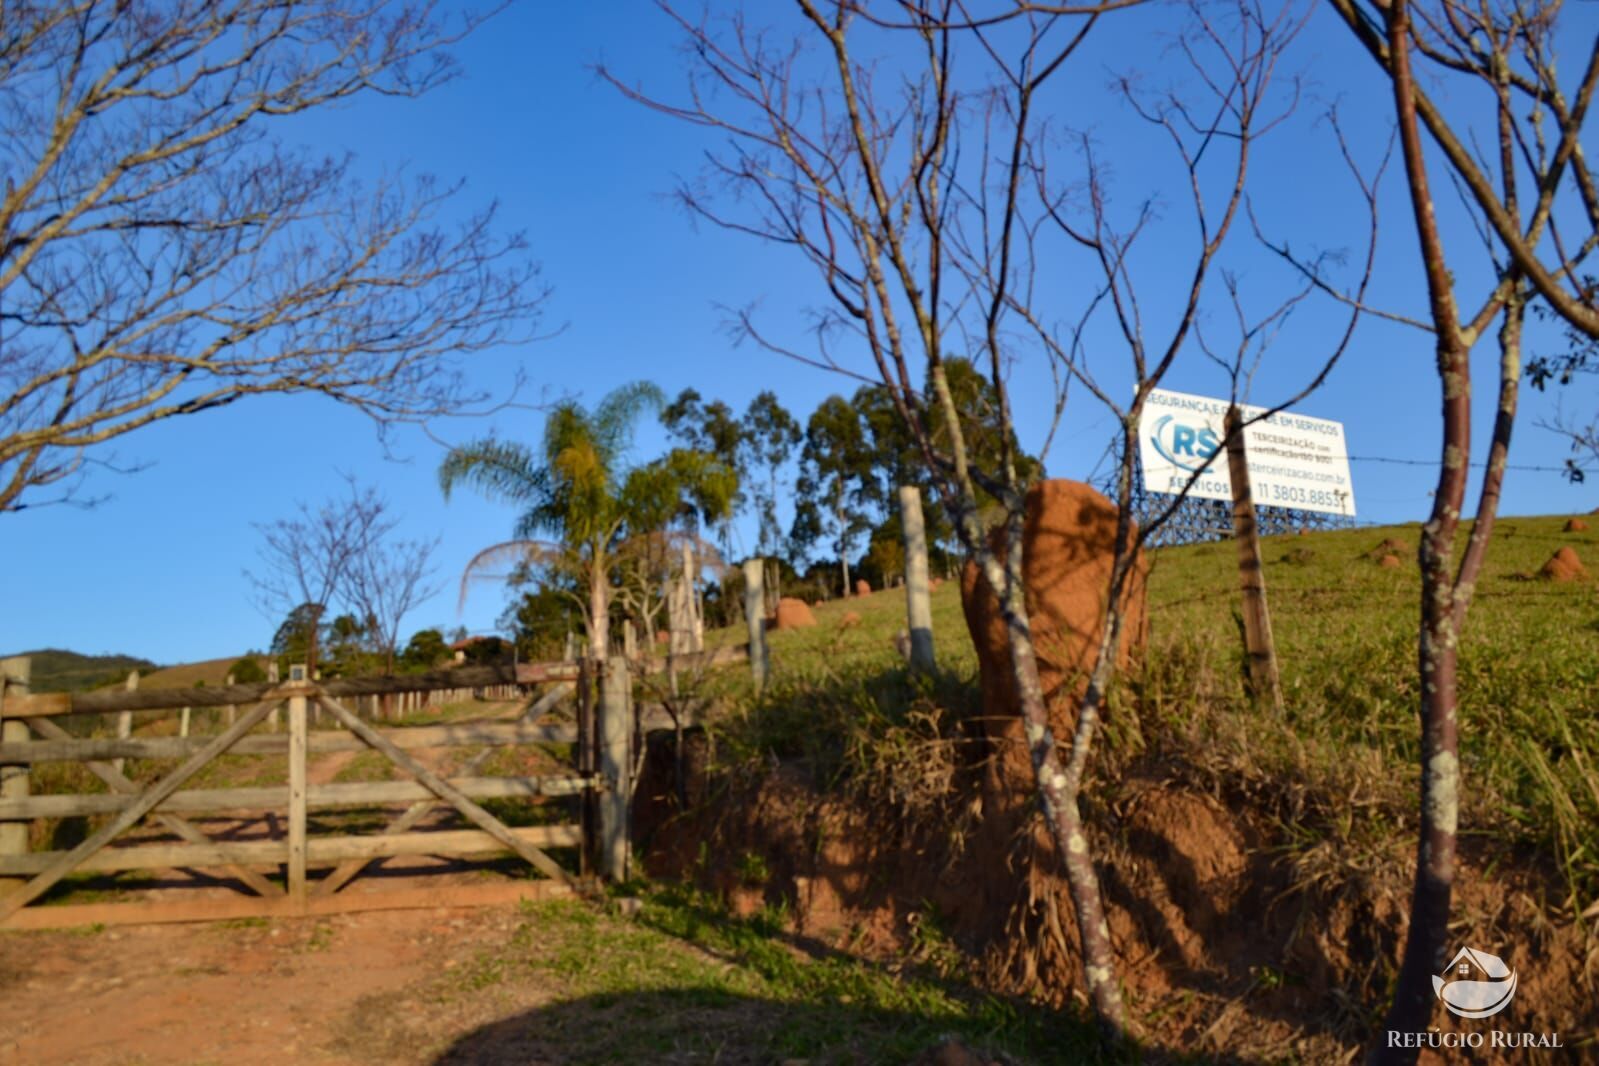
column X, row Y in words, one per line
column 1512, row 52
column 919, row 243
column 161, row 254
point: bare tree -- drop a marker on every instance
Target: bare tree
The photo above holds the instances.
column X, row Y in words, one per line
column 1531, row 194
column 1548, row 227
column 161, row 253
column 924, row 208
column 307, row 560
column 386, row 580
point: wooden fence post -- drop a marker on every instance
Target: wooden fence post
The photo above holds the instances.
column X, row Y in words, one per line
column 587, row 761
column 15, row 676
column 918, row 602
column 125, row 720
column 755, row 617
column 274, row 718
column 616, row 731
column 1264, row 681
column 231, row 711
column 297, row 790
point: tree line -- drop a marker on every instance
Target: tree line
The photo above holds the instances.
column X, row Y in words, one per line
column 599, row 542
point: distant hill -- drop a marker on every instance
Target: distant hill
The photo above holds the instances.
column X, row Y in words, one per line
column 211, row 672
column 55, row 670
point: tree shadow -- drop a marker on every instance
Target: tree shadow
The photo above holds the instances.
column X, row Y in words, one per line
column 706, row 1025
column 774, row 996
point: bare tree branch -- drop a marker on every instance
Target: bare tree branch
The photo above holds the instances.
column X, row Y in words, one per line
column 161, row 254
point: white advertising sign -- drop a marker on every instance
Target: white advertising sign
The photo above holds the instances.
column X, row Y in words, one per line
column 1294, row 460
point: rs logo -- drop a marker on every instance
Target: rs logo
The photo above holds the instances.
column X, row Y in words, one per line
column 1182, row 445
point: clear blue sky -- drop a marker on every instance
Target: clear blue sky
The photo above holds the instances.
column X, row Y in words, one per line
column 157, row 568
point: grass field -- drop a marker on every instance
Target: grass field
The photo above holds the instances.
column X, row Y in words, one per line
column 1343, row 759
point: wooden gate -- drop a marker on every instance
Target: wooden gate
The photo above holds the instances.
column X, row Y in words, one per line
column 303, row 868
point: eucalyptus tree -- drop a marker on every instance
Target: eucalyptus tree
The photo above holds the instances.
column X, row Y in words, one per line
column 834, row 491
column 771, row 435
column 710, row 429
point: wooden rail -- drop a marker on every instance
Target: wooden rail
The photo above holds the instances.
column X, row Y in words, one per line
column 303, row 870
column 318, row 797
column 55, row 704
column 307, row 845
column 320, row 743
column 50, row 704
column 320, row 851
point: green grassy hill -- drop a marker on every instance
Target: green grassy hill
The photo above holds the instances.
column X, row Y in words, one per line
column 186, row 675
column 56, row 670
column 1346, row 636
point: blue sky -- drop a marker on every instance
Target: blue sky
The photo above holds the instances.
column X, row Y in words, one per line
column 156, row 569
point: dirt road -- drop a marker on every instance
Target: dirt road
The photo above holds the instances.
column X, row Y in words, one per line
column 237, row 993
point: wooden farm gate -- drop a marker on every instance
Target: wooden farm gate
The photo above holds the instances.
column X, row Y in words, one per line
column 321, row 719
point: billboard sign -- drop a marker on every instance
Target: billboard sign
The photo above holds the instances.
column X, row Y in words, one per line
column 1294, row 460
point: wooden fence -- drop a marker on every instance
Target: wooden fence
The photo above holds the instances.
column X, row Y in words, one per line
column 304, row 872
column 32, row 733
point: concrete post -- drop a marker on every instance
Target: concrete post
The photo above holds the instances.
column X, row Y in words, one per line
column 15, row 677
column 755, row 618
column 615, row 734
column 918, row 601
column 691, row 592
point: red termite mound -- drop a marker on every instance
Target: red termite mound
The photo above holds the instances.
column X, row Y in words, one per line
column 1067, row 542
column 1564, row 565
column 794, row 614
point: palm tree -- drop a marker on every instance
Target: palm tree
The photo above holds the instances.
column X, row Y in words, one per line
column 577, row 492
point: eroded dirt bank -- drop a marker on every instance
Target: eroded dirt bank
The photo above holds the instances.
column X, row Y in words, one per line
column 1233, row 941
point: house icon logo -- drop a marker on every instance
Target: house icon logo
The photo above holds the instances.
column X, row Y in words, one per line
column 1476, row 984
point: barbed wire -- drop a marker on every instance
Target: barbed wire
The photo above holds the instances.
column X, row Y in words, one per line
column 1434, row 462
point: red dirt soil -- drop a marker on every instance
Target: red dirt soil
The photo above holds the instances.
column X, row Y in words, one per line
column 272, row 993
column 249, row 990
column 1224, row 948
column 1067, row 542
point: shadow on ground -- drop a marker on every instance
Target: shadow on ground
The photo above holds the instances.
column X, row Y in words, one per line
column 703, row 1026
